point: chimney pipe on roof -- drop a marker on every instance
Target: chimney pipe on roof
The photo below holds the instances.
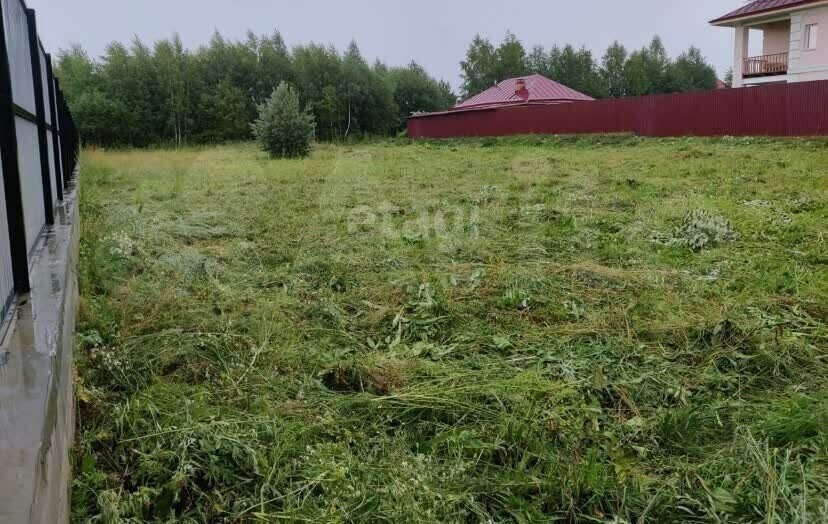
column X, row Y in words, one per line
column 520, row 88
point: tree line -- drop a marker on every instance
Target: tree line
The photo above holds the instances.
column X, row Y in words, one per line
column 135, row 94
column 617, row 73
column 139, row 95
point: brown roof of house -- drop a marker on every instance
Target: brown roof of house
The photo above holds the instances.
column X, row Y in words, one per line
column 761, row 7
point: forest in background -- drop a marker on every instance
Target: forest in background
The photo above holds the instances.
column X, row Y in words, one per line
column 139, row 95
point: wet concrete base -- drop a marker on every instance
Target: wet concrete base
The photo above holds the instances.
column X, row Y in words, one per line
column 36, row 400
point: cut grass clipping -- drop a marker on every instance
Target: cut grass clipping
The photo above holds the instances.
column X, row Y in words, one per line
column 603, row 329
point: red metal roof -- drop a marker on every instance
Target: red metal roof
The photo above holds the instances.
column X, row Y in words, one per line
column 539, row 89
column 761, row 7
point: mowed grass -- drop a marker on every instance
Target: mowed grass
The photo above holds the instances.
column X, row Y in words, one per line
column 600, row 329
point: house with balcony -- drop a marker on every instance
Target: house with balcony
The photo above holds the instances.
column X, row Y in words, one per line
column 792, row 50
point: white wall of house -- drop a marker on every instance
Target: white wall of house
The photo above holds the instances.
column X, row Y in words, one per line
column 804, row 63
column 817, row 57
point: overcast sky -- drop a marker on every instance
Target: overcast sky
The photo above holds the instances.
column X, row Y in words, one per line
column 435, row 33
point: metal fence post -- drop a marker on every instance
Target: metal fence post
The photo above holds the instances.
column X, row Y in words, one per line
column 11, row 171
column 40, row 113
column 50, row 80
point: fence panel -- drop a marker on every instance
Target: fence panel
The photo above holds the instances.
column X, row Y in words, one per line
column 50, row 141
column 56, row 140
column 44, row 93
column 44, row 88
column 6, row 276
column 797, row 109
column 20, row 58
column 31, row 181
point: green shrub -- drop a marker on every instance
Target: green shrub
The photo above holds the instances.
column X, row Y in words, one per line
column 283, row 129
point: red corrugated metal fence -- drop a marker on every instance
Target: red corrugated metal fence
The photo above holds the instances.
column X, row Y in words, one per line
column 798, row 109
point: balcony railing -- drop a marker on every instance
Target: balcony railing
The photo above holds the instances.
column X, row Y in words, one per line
column 766, row 65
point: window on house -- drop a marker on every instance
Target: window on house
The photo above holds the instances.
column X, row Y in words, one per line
column 811, row 32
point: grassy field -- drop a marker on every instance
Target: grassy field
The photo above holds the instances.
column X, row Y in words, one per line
column 606, row 329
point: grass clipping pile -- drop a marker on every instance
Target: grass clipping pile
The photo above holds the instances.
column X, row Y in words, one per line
column 700, row 230
column 469, row 331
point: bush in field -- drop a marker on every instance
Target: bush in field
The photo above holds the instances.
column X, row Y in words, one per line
column 283, row 129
